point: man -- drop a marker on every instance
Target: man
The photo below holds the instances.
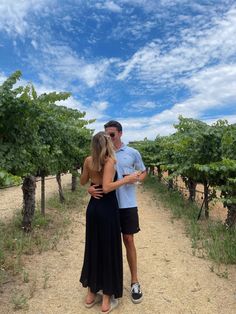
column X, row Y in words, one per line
column 128, row 160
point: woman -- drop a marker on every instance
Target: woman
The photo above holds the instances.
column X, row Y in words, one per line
column 102, row 267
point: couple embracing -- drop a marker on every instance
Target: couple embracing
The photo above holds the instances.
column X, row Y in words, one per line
column 112, row 210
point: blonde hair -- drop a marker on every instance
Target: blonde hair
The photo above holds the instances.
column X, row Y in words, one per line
column 102, row 149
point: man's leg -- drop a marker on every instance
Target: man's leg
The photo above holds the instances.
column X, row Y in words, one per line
column 129, row 226
column 136, row 293
column 131, row 255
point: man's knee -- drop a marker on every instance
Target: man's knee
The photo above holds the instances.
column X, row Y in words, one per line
column 128, row 239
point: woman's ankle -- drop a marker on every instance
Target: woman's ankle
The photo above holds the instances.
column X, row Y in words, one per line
column 90, row 297
column 105, row 303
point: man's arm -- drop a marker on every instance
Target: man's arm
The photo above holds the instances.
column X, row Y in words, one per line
column 95, row 192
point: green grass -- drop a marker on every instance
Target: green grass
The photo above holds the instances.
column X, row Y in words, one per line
column 221, row 243
column 209, row 238
column 47, row 230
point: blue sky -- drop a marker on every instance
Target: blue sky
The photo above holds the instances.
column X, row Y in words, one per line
column 142, row 62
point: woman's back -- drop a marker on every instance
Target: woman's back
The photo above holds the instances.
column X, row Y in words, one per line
column 94, row 176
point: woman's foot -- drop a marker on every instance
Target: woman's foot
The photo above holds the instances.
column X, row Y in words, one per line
column 105, row 303
column 108, row 304
column 92, row 298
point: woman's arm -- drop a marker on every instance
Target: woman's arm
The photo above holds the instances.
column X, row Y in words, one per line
column 84, row 178
column 108, row 177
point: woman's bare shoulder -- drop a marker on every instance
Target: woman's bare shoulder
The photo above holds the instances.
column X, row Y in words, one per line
column 110, row 160
column 88, row 160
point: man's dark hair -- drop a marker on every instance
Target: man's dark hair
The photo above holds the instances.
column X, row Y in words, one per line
column 113, row 124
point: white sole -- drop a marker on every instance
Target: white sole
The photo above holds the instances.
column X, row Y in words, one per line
column 137, row 301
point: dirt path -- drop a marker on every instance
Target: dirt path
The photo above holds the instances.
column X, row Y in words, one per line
column 173, row 280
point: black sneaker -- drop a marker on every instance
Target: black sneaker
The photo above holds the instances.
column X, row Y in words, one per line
column 136, row 293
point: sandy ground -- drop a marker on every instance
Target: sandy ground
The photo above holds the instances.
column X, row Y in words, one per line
column 11, row 199
column 173, row 279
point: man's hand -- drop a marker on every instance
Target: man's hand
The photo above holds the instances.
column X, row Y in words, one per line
column 95, row 192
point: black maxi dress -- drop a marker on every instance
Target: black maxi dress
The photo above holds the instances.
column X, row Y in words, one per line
column 103, row 267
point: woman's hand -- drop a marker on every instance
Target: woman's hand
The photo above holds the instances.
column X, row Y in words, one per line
column 132, row 178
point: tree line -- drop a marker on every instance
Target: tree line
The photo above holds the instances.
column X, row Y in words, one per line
column 38, row 138
column 198, row 153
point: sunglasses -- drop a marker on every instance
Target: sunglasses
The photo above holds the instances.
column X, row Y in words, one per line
column 112, row 134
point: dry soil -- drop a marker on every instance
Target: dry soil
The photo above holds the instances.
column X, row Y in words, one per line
column 172, row 278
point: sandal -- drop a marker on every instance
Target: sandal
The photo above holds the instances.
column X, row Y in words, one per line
column 113, row 304
column 98, row 298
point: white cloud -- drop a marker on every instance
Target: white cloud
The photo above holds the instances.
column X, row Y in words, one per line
column 136, row 128
column 215, row 88
column 189, row 62
column 109, row 5
column 215, row 85
column 140, row 128
column 142, row 106
column 93, row 111
column 15, row 14
column 135, row 28
column 149, row 105
column 91, row 74
column 230, row 118
column 156, row 6
column 147, row 5
column 2, row 77
column 34, row 44
column 101, row 106
column 198, row 48
column 61, row 65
